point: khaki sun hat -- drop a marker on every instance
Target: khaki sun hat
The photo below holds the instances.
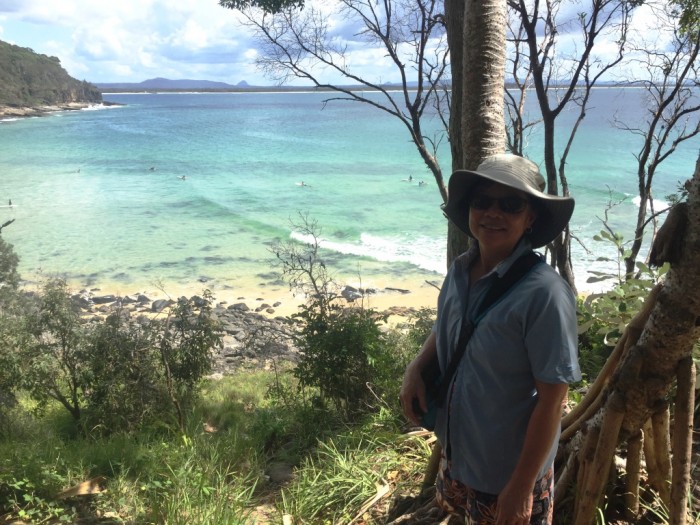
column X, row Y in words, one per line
column 553, row 212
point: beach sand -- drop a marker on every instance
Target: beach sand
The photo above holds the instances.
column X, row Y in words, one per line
column 398, row 296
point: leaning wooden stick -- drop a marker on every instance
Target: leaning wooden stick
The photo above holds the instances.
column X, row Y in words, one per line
column 633, row 467
column 682, row 441
column 597, row 476
column 662, row 439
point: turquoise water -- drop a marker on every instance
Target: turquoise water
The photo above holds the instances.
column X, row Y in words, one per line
column 99, row 197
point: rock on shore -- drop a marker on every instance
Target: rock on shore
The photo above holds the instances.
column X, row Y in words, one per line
column 251, row 340
column 38, row 111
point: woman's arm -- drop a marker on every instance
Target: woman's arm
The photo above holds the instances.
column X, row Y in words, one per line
column 413, row 386
column 515, row 500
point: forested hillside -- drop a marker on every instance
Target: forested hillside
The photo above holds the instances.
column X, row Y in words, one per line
column 32, row 80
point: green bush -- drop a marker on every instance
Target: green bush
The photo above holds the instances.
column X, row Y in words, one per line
column 124, row 384
column 116, row 374
column 404, row 343
column 343, row 350
column 54, row 359
column 9, row 277
column 149, row 373
column 11, row 332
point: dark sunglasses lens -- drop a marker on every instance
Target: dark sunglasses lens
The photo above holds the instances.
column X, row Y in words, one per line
column 480, row 202
column 512, row 204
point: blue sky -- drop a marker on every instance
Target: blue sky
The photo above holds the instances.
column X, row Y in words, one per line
column 134, row 40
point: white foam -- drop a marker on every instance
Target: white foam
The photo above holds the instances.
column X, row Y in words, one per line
column 423, row 252
column 659, row 205
column 96, row 107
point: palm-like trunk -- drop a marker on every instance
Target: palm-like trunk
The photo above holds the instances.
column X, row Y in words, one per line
column 476, row 33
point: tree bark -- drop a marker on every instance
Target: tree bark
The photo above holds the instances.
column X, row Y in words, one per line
column 484, row 59
column 476, row 32
column 638, row 391
column 682, row 441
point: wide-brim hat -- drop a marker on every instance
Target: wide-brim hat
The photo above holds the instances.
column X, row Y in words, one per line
column 553, row 212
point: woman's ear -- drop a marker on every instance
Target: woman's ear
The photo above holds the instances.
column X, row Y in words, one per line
column 531, row 216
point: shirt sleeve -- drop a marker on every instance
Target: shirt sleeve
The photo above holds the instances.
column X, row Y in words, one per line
column 551, row 336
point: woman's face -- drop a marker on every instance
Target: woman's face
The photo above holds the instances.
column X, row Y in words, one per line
column 498, row 217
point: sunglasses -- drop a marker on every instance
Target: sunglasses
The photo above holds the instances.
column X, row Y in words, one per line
column 511, row 204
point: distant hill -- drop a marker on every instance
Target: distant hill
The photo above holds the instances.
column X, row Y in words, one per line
column 32, row 81
column 166, row 84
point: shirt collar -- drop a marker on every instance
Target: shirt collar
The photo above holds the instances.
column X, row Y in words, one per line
column 524, row 245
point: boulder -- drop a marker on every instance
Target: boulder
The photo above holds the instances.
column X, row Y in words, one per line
column 161, row 304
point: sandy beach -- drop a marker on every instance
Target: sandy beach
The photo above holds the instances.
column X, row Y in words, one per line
column 399, row 297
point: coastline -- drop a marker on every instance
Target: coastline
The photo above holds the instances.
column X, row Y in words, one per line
column 38, row 111
column 398, row 297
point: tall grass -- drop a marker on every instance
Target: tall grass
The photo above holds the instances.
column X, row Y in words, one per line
column 215, row 471
column 346, row 472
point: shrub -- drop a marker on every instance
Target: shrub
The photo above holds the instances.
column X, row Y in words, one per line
column 54, row 359
column 343, row 351
column 117, row 374
column 9, row 277
column 149, row 372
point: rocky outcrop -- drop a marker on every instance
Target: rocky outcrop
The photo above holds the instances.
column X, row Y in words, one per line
column 35, row 83
column 251, row 340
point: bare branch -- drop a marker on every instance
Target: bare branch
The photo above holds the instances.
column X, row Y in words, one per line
column 411, row 33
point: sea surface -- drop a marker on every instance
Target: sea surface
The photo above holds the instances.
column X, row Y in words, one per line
column 180, row 189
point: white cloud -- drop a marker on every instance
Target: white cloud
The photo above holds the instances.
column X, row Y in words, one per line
column 129, row 40
column 132, row 40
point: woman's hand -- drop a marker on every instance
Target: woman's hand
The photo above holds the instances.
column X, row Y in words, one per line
column 413, row 387
column 514, row 505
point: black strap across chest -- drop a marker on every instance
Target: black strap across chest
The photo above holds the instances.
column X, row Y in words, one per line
column 496, row 291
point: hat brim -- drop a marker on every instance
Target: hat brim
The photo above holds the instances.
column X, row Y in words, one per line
column 554, row 211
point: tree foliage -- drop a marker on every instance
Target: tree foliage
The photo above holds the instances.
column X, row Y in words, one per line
column 113, row 375
column 689, row 15
column 31, row 79
column 11, row 335
column 269, row 6
column 9, row 276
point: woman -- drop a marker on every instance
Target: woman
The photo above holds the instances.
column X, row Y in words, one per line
column 500, row 423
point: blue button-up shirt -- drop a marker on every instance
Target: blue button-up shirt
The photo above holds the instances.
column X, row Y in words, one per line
column 530, row 334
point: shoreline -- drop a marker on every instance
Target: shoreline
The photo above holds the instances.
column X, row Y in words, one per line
column 10, row 112
column 397, row 297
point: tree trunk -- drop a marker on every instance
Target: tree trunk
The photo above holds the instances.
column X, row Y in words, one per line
column 476, row 32
column 457, row 241
column 484, row 60
column 638, row 392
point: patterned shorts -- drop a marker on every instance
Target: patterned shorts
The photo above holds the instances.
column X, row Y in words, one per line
column 479, row 508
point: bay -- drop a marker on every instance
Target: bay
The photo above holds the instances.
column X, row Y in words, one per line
column 193, row 189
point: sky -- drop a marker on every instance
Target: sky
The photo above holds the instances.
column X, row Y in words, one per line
column 135, row 40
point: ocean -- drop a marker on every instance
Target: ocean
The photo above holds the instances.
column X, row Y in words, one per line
column 194, row 189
